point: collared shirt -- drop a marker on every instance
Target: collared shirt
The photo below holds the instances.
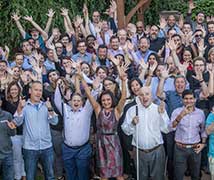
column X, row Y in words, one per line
column 115, row 52
column 26, row 63
column 76, row 123
column 139, row 55
column 191, row 127
column 49, row 65
column 209, row 121
column 168, row 86
column 151, row 124
column 36, row 128
column 173, row 101
column 85, row 57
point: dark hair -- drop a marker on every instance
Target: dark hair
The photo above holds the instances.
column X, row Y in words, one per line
column 104, row 68
column 143, row 37
column 52, row 70
column 199, row 58
column 90, row 36
column 113, row 37
column 81, row 41
column 176, row 35
column 130, row 84
column 210, row 22
column 188, row 23
column 156, row 57
column 108, row 92
column 188, row 49
column 116, row 92
column 187, row 92
column 102, row 46
column 90, row 68
column 3, row 61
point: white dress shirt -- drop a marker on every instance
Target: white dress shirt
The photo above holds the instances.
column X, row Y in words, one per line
column 151, row 124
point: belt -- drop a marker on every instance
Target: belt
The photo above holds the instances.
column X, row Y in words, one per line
column 150, row 150
column 109, row 134
column 186, row 145
column 77, row 147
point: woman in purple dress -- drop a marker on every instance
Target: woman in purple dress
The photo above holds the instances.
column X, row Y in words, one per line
column 109, row 152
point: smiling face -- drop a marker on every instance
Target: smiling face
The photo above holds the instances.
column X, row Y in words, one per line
column 145, row 96
column 109, row 85
column 135, row 87
column 106, row 101
column 76, row 102
column 35, row 92
column 14, row 91
column 86, row 69
column 189, row 100
column 180, row 85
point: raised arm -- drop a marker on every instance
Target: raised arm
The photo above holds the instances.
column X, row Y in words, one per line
column 160, row 93
column 119, row 107
column 50, row 15
column 67, row 22
column 41, row 31
column 16, row 18
column 86, row 17
column 92, row 100
column 210, row 69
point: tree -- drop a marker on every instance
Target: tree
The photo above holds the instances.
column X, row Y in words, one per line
column 123, row 19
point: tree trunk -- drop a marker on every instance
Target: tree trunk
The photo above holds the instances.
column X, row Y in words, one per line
column 121, row 13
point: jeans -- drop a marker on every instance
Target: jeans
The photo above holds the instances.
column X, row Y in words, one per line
column 18, row 160
column 7, row 167
column 184, row 157
column 77, row 162
column 31, row 158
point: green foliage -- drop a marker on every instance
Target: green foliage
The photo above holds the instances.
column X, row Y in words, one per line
column 156, row 6
column 38, row 8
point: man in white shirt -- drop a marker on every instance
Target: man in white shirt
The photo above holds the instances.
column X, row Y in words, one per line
column 146, row 123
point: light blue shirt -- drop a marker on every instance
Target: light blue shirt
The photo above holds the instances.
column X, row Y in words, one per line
column 36, row 128
column 49, row 65
column 139, row 55
column 26, row 63
column 86, row 57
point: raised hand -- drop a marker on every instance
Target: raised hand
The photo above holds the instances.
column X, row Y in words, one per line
column 48, row 104
column 96, row 83
column 162, row 22
column 115, row 61
column 161, row 107
column 15, row 16
column 165, row 73
column 85, row 10
column 28, row 18
column 50, row 13
column 172, row 45
column 152, row 67
column 191, row 5
column 78, row 21
column 181, row 21
column 144, row 65
column 64, row 12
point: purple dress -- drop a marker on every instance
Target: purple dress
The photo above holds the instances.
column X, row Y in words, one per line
column 109, row 152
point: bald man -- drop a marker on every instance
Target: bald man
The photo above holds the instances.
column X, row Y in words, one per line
column 145, row 122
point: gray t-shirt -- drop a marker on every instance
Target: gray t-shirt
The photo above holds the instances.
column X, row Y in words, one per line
column 5, row 133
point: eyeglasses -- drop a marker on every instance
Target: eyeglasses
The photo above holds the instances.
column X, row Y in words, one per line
column 198, row 35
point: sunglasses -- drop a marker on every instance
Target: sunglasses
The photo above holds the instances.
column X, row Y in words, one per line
column 198, row 35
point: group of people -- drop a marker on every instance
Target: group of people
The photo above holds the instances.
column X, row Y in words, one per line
column 99, row 102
